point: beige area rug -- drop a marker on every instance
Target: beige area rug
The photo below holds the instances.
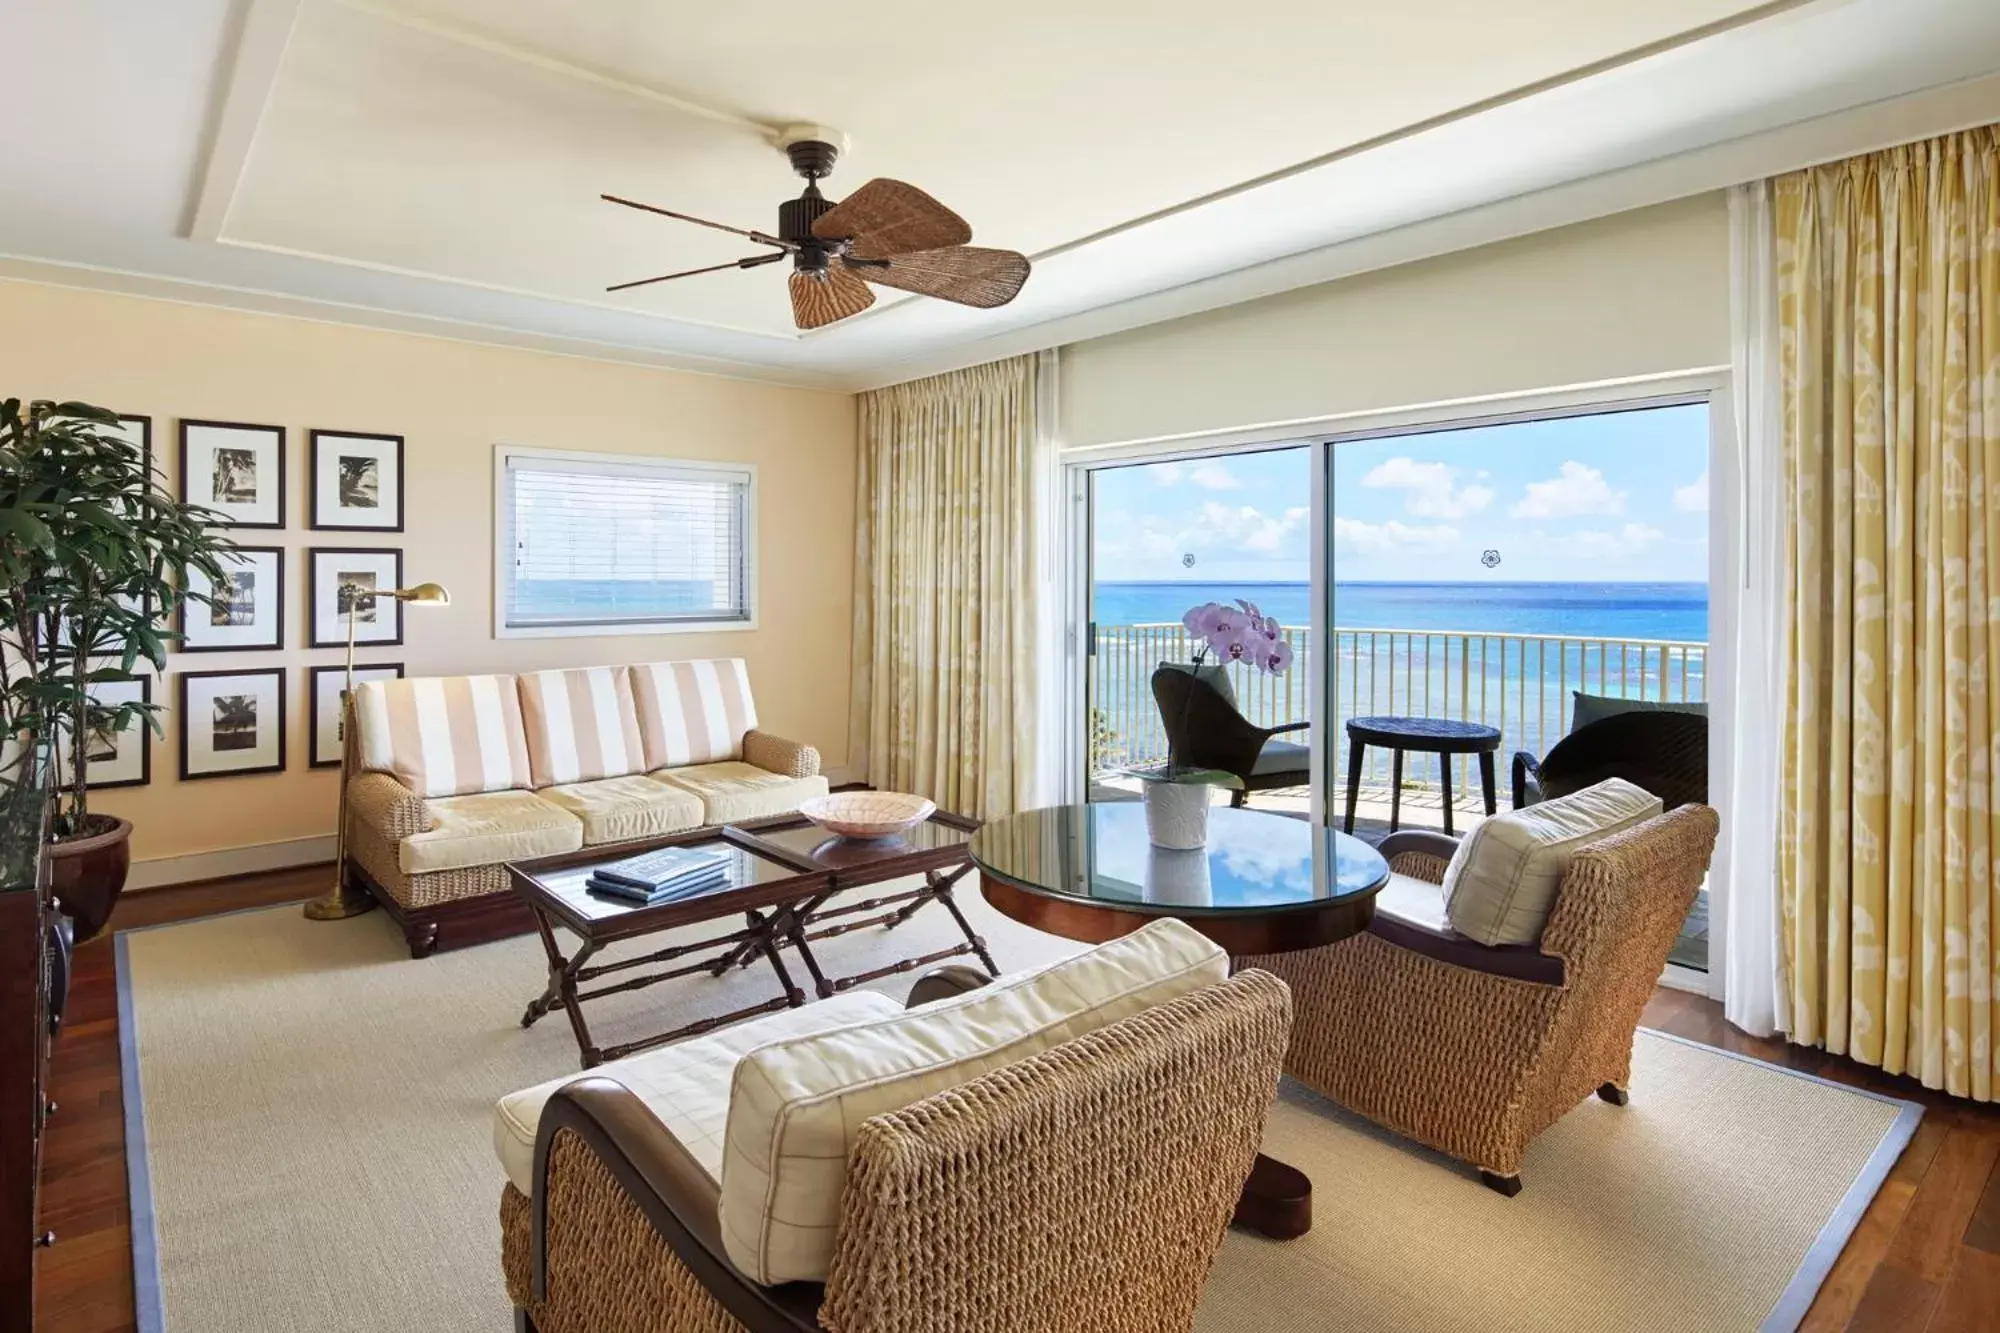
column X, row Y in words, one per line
column 310, row 1139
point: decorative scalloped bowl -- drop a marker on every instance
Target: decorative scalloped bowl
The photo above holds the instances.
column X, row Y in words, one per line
column 867, row 814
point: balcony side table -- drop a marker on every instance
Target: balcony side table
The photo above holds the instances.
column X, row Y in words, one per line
column 1427, row 735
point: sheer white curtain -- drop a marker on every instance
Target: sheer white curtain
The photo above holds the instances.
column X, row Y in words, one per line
column 1753, row 999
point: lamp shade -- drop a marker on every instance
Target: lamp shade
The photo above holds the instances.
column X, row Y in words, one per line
column 423, row 594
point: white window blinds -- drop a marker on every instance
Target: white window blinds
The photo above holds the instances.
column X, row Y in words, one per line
column 589, row 542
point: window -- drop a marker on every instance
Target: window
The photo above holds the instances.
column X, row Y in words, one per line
column 614, row 544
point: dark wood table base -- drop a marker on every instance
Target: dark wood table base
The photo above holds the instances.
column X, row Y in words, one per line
column 1277, row 1200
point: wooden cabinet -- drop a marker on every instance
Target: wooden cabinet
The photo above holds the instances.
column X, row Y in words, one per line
column 34, row 972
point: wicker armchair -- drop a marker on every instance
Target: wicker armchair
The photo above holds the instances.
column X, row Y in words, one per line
column 1474, row 1050
column 1085, row 1187
column 1664, row 752
column 1204, row 730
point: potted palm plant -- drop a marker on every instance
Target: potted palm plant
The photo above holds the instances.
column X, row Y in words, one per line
column 93, row 549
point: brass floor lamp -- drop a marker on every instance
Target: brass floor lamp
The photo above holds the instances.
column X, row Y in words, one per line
column 342, row 900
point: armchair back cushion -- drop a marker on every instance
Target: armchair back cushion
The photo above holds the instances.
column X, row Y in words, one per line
column 581, row 725
column 796, row 1106
column 1589, row 708
column 444, row 735
column 693, row 712
column 1502, row 882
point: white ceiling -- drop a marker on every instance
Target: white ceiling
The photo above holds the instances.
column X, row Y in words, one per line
column 435, row 164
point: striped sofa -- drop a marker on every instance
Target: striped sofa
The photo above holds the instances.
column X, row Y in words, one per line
column 458, row 775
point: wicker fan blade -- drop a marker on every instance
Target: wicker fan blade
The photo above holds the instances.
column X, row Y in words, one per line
column 885, row 218
column 819, row 300
column 967, row 274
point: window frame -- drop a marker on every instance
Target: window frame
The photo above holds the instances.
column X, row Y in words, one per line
column 503, row 553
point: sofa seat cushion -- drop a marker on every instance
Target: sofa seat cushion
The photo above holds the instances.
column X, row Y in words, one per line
column 1409, row 913
column 487, row 828
column 734, row 791
column 622, row 809
column 686, row 1086
column 796, row 1106
column 1502, row 882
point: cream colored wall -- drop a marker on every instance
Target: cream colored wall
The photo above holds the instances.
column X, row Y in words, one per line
column 1638, row 293
column 452, row 402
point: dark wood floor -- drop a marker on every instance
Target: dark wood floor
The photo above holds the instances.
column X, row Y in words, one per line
column 1925, row 1259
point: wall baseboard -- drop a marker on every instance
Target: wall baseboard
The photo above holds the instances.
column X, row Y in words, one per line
column 161, row 871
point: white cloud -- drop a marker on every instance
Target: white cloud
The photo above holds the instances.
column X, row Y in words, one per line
column 1215, row 477
column 1693, row 497
column 1167, row 474
column 1246, row 528
column 1629, row 540
column 1575, row 490
column 1392, row 537
column 1430, row 490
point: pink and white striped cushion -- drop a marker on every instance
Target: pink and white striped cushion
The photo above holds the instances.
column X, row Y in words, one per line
column 444, row 735
column 581, row 725
column 693, row 712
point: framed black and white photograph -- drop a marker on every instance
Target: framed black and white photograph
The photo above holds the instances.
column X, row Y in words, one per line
column 236, row 469
column 246, row 609
column 326, row 684
column 232, row 722
column 121, row 758
column 340, row 579
column 357, row 481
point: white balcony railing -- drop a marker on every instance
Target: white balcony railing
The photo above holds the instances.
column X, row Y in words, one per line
column 1520, row 683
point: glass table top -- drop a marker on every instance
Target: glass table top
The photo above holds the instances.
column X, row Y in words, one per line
column 745, row 870
column 814, row 845
column 1255, row 861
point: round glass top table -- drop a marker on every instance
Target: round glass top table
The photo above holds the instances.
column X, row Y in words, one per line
column 1265, row 883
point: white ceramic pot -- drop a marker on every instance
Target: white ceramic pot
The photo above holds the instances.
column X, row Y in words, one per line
column 1177, row 815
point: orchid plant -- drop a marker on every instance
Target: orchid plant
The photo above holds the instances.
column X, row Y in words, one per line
column 1239, row 633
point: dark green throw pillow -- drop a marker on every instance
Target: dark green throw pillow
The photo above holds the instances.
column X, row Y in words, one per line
column 1595, row 707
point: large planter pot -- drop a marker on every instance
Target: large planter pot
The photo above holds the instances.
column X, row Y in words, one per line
column 88, row 873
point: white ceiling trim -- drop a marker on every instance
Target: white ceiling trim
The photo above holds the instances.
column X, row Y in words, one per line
column 284, row 305
column 253, row 72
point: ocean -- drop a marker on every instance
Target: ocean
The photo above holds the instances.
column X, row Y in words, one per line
column 1677, row 611
column 1510, row 655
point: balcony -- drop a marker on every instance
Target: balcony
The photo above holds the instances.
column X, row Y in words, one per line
column 1520, row 684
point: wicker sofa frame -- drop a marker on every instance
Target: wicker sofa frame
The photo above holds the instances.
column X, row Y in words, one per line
column 1473, row 1063
column 1087, row 1187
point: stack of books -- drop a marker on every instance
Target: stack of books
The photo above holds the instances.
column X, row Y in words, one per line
column 664, row 876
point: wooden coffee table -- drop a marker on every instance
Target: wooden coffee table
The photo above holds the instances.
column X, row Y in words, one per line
column 782, row 875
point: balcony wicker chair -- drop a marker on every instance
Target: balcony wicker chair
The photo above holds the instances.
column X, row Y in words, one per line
column 1205, row 730
column 1664, row 752
column 1474, row 1049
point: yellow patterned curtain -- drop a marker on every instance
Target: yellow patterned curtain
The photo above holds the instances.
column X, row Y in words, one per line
column 945, row 588
column 1889, row 316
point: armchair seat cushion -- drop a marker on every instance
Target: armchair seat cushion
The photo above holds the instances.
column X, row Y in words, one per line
column 686, row 1086
column 486, row 828
column 622, row 809
column 732, row 791
column 1410, row 913
column 1282, row 757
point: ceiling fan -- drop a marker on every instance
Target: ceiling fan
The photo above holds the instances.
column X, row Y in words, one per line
column 886, row 232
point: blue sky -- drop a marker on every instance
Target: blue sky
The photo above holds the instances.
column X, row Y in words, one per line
column 1619, row 497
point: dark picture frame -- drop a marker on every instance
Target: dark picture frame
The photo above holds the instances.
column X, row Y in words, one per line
column 313, row 678
column 142, row 730
column 324, row 510
column 192, row 612
column 314, row 587
column 188, row 722
column 205, row 492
